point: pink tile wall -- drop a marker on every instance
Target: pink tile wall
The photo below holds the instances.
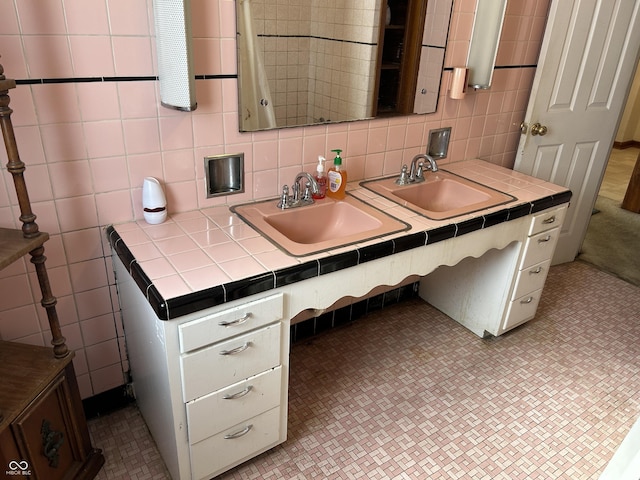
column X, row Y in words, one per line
column 88, row 145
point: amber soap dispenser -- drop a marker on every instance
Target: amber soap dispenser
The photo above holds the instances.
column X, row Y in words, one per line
column 337, row 177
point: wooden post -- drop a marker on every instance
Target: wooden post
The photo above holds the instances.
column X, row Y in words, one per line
column 30, row 229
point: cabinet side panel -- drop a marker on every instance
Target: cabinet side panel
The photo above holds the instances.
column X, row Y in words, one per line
column 146, row 348
column 475, row 291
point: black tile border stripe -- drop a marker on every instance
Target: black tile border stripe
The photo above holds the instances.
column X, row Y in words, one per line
column 144, row 78
column 317, row 37
column 167, row 309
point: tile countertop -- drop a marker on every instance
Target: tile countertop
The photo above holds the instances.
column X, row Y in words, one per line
column 202, row 258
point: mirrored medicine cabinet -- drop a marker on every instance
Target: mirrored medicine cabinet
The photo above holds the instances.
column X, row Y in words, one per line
column 321, row 62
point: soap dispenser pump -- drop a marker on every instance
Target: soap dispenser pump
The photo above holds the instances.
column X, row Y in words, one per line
column 321, row 179
column 337, row 177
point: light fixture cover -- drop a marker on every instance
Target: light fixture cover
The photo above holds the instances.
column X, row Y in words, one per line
column 483, row 48
column 175, row 56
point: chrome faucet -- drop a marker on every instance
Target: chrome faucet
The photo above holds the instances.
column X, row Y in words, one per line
column 416, row 174
column 296, row 200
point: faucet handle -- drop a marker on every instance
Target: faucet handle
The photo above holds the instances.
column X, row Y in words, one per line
column 419, row 173
column 285, row 199
column 307, row 198
column 403, row 179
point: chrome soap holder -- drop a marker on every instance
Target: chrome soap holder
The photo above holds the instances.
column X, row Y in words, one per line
column 438, row 145
column 224, row 174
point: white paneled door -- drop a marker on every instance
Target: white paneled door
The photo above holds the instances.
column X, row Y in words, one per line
column 587, row 62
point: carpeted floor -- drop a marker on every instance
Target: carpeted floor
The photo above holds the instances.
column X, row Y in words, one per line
column 613, row 240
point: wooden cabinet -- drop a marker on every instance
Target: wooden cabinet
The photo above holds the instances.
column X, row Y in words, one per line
column 631, row 199
column 43, row 431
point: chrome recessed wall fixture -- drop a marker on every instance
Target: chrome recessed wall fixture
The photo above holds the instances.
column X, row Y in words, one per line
column 485, row 37
column 175, row 57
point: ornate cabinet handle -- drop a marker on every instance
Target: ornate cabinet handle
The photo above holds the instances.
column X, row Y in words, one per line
column 549, row 220
column 545, row 239
column 52, row 441
column 536, row 271
column 528, row 300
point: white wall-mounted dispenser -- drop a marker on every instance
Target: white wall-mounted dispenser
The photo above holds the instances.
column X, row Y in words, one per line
column 154, row 202
column 175, row 56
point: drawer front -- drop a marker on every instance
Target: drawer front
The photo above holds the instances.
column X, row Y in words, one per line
column 548, row 219
column 235, row 444
column 539, row 248
column 531, row 279
column 229, row 362
column 229, row 406
column 228, row 323
column 522, row 309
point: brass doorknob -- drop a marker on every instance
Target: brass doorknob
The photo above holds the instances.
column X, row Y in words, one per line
column 537, row 129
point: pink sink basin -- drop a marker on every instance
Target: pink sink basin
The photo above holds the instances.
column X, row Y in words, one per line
column 442, row 195
column 325, row 225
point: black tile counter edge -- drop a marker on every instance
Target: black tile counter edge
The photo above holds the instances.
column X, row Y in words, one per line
column 211, row 297
column 193, row 302
column 137, row 274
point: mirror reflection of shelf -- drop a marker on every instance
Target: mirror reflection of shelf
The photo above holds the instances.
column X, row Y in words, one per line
column 399, row 56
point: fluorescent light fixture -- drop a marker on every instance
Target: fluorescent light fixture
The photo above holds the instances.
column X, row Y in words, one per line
column 483, row 49
column 175, row 56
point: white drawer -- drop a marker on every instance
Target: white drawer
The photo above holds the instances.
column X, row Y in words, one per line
column 229, row 406
column 234, row 321
column 531, row 278
column 547, row 219
column 247, row 438
column 539, row 248
column 229, row 362
column 522, row 309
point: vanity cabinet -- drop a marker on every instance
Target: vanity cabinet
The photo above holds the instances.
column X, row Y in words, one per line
column 231, row 370
column 499, row 290
column 534, row 266
column 211, row 386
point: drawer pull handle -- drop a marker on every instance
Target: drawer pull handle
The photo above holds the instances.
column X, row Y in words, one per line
column 528, row 300
column 239, row 434
column 240, row 394
column 549, row 220
column 239, row 349
column 237, row 321
column 545, row 239
column 536, row 271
